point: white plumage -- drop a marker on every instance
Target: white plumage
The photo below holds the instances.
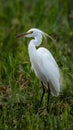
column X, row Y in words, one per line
column 43, row 64
column 51, row 70
column 42, row 61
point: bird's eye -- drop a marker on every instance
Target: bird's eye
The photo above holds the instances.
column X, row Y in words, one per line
column 31, row 32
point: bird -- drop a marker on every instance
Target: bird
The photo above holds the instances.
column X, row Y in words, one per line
column 43, row 64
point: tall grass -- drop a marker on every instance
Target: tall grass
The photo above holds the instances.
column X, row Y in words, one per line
column 20, row 90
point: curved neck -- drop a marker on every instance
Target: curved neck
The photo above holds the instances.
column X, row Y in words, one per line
column 37, row 40
column 32, row 47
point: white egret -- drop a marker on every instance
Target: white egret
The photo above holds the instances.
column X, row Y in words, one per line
column 43, row 63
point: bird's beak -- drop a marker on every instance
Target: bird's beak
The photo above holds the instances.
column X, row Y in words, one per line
column 21, row 35
column 24, row 34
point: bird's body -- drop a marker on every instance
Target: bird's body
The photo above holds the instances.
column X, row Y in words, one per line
column 43, row 63
column 44, row 66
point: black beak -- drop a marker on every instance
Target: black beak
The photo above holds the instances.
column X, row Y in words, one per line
column 21, row 35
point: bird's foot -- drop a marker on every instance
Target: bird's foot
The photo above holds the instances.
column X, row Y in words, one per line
column 36, row 110
column 47, row 109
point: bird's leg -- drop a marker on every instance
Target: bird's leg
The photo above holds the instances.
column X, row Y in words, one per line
column 42, row 94
column 41, row 97
column 48, row 99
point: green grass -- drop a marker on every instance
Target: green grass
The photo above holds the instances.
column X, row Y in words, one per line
column 20, row 90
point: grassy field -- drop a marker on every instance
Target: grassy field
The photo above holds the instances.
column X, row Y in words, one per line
column 20, row 90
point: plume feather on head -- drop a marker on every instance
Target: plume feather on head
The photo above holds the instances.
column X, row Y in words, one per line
column 43, row 33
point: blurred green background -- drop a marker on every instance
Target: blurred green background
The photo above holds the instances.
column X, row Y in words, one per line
column 20, row 90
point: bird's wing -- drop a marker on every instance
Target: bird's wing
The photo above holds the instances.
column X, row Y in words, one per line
column 46, row 53
column 50, row 69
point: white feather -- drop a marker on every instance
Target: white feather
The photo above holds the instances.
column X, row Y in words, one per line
column 42, row 61
column 47, row 70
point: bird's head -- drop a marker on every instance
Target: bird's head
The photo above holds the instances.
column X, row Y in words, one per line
column 31, row 33
column 34, row 32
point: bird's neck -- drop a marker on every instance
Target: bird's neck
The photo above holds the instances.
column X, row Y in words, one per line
column 37, row 40
column 32, row 47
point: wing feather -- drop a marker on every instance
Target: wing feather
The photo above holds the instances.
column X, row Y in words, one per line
column 50, row 69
